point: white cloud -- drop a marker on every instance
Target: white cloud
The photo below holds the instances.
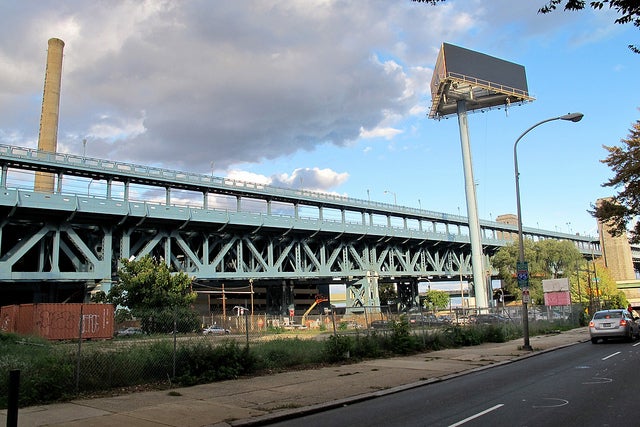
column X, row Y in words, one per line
column 387, row 133
column 308, row 178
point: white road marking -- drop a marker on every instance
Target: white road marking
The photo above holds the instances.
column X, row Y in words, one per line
column 611, row 355
column 479, row 414
column 638, row 343
column 598, row 380
column 561, row 402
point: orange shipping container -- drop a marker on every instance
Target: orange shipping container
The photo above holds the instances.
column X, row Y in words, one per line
column 62, row 321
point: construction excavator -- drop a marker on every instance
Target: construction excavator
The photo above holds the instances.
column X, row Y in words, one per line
column 319, row 299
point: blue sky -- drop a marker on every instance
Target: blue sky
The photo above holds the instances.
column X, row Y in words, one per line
column 329, row 95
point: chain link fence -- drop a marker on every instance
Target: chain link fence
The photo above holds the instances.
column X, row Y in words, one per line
column 162, row 348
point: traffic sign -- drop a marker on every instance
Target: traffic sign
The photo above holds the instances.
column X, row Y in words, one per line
column 522, row 274
column 526, row 297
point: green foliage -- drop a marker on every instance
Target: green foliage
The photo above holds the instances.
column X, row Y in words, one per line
column 436, row 300
column 149, row 291
column 147, row 284
column 367, row 346
column 616, row 300
column 402, row 340
column 283, row 353
column 463, row 335
column 547, row 259
column 387, row 293
column 48, row 369
column 204, row 363
column 338, row 348
column 621, row 210
column 46, row 375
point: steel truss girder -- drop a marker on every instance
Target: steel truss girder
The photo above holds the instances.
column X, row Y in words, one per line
column 243, row 256
column 51, row 250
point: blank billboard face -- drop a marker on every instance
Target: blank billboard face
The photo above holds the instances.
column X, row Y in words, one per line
column 482, row 80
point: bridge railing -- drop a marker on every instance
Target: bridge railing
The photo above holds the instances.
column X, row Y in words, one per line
column 428, row 221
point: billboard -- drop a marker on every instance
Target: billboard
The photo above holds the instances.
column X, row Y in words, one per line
column 481, row 80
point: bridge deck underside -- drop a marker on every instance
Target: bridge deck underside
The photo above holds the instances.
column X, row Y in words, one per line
column 40, row 244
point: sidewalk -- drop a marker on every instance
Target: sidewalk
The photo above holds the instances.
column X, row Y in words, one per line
column 252, row 401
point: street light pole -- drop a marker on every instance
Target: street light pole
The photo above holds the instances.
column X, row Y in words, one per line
column 572, row 117
column 395, row 200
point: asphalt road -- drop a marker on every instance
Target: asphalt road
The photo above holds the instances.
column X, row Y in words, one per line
column 581, row 385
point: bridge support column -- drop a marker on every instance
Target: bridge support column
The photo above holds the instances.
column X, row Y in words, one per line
column 3, row 176
column 103, row 286
column 408, row 295
column 363, row 294
column 279, row 298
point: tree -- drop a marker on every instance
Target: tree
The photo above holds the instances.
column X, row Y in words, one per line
column 592, row 283
column 618, row 211
column 387, row 293
column 548, row 259
column 629, row 9
column 149, row 291
column 436, row 300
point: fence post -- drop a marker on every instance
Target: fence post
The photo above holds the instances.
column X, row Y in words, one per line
column 246, row 325
column 175, row 340
column 80, row 321
column 14, row 393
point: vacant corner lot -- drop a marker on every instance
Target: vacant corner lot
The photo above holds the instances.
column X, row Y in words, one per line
column 55, row 371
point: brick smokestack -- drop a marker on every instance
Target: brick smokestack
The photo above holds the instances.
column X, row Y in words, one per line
column 48, row 137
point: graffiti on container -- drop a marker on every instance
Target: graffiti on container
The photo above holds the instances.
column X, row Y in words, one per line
column 5, row 323
column 90, row 323
column 68, row 321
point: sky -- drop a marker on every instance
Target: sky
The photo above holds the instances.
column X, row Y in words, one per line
column 331, row 96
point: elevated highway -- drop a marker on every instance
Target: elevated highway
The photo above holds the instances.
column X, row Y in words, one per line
column 223, row 232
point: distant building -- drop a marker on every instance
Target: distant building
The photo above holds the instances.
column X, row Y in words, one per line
column 510, row 219
column 616, row 252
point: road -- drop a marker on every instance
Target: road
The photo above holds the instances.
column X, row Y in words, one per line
column 580, row 385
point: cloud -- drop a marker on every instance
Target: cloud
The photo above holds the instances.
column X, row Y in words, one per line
column 184, row 83
column 316, row 179
column 387, row 133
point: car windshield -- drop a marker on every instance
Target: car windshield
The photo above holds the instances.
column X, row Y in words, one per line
column 608, row 315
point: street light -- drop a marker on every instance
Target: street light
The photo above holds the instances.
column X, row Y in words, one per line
column 572, row 117
column 395, row 200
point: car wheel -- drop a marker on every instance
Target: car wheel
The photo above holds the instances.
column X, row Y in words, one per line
column 594, row 340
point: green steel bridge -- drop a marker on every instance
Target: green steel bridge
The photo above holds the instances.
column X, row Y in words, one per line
column 64, row 244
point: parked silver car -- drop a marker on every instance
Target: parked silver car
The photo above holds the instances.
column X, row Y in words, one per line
column 613, row 324
column 215, row 330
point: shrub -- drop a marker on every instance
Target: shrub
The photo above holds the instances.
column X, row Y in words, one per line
column 202, row 363
column 45, row 373
column 367, row 346
column 285, row 352
column 402, row 341
column 338, row 347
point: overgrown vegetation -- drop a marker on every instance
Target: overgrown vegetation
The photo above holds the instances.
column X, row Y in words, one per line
column 49, row 370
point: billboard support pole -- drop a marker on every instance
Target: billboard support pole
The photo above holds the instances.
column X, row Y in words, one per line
column 479, row 285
